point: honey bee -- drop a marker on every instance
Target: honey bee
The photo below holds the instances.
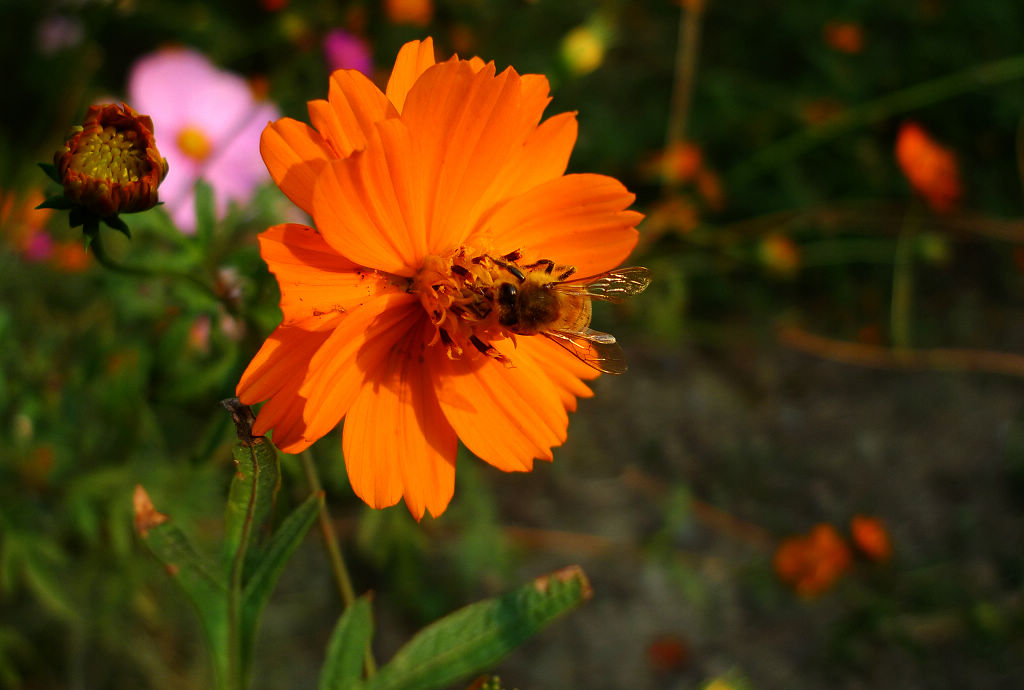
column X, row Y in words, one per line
column 538, row 299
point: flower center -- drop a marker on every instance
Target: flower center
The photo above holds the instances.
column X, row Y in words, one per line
column 109, row 154
column 474, row 299
column 194, row 143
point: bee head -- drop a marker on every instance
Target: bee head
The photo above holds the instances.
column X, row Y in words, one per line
column 507, row 294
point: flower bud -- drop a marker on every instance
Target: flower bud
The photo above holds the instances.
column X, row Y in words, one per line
column 110, row 164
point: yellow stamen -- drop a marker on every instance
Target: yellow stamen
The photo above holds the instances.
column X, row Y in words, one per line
column 194, row 143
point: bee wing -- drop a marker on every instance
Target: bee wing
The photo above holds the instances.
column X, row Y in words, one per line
column 593, row 348
column 612, row 286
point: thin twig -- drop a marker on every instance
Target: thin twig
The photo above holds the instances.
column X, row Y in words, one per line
column 917, row 96
column 874, row 356
column 903, row 283
column 100, row 252
column 685, row 71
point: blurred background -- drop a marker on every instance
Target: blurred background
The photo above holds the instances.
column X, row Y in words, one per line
column 813, row 474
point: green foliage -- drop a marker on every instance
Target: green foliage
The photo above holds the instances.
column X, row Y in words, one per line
column 349, row 644
column 230, row 599
column 474, row 638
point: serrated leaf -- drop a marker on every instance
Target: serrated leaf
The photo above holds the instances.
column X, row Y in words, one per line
column 347, row 648
column 206, row 217
column 252, row 494
column 476, row 637
column 196, row 576
column 274, row 556
column 270, row 563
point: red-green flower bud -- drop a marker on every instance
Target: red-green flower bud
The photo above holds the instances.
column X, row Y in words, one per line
column 110, row 164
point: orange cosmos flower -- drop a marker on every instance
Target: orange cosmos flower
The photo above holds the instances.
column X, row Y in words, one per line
column 930, row 167
column 870, row 537
column 811, row 563
column 846, row 37
column 427, row 200
column 418, row 12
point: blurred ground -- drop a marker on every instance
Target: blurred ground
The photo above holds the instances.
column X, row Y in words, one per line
column 782, row 441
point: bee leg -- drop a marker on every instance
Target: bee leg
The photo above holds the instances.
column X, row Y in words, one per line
column 488, row 350
column 547, row 263
column 511, row 268
column 513, row 256
column 564, row 275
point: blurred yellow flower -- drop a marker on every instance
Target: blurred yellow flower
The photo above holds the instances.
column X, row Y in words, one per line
column 583, row 49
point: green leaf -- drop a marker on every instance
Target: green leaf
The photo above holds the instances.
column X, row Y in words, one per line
column 51, row 171
column 273, row 558
column 252, row 494
column 197, row 577
column 474, row 638
column 206, row 216
column 347, row 649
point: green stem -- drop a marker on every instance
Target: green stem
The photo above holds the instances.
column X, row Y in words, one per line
column 918, row 96
column 236, row 672
column 100, row 252
column 903, row 283
column 341, row 576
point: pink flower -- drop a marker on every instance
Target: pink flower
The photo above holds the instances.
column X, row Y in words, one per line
column 207, row 124
column 343, row 50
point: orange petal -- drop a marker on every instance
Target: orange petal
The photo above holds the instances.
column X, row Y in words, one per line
column 467, row 125
column 283, row 413
column 396, row 440
column 294, row 153
column 316, row 282
column 351, row 354
column 565, row 372
column 276, row 372
column 282, row 358
column 505, row 416
column 356, row 105
column 543, row 157
column 576, row 219
column 368, row 206
column 413, row 60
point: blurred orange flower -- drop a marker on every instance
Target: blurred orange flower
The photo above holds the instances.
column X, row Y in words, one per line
column 71, row 257
column 414, row 191
column 846, row 37
column 417, row 12
column 678, row 163
column 24, row 226
column 870, row 537
column 930, row 167
column 811, row 563
column 668, row 653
